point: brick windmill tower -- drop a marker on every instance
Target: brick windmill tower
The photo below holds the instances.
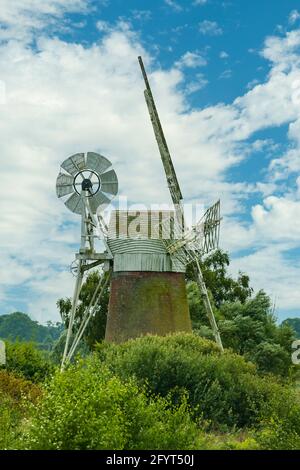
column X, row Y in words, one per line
column 147, row 294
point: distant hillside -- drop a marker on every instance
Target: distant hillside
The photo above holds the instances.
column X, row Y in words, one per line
column 18, row 326
column 295, row 324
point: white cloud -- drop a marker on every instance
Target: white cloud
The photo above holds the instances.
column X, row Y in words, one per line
column 294, row 16
column 174, row 5
column 226, row 74
column 103, row 26
column 62, row 98
column 223, row 55
column 20, row 18
column 283, row 52
column 191, row 60
column 277, row 219
column 197, row 84
column 142, row 15
column 280, row 168
column 252, row 83
column 282, row 274
column 210, row 28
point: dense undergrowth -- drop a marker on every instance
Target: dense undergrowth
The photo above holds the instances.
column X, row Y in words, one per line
column 176, row 392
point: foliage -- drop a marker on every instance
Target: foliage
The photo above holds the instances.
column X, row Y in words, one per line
column 95, row 330
column 18, row 326
column 10, row 417
column 17, row 388
column 25, row 360
column 56, row 354
column 221, row 285
column 15, row 393
column 86, row 407
column 247, row 324
column 199, row 318
column 223, row 389
column 250, row 329
column 294, row 323
column 174, row 392
column 280, row 430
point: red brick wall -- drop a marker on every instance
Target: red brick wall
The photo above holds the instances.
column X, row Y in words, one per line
column 146, row 302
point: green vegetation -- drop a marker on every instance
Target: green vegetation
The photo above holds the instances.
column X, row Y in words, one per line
column 247, row 324
column 89, row 408
column 174, row 392
column 224, row 389
column 24, row 360
column 294, row 323
column 18, row 326
column 223, row 287
column 16, row 396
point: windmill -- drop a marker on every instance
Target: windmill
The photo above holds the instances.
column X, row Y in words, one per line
column 146, row 270
column 204, row 236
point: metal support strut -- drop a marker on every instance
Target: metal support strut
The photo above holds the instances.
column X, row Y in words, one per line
column 207, row 304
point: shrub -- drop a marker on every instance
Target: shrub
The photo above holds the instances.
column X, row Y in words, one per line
column 17, row 388
column 280, row 424
column 25, row 360
column 10, row 416
column 224, row 389
column 86, row 407
column 15, row 394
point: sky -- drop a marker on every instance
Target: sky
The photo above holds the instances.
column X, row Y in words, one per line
column 226, row 80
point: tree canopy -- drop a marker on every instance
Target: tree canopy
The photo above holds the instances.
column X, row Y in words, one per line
column 18, row 326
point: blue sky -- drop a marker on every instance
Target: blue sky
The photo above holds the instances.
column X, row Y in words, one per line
column 226, row 77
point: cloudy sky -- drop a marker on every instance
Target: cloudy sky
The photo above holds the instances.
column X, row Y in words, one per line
column 226, row 78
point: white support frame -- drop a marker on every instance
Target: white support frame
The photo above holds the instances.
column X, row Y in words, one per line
column 86, row 253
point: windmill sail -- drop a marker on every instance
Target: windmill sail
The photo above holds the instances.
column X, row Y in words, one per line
column 162, row 145
column 212, row 221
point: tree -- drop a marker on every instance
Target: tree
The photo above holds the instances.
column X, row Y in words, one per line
column 95, row 330
column 293, row 323
column 222, row 288
column 250, row 329
column 247, row 324
column 25, row 360
column 18, row 326
column 221, row 285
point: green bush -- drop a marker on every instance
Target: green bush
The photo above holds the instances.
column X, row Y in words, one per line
column 17, row 388
column 86, row 407
column 280, row 423
column 25, row 360
column 174, row 392
column 10, row 417
column 15, row 394
column 223, row 389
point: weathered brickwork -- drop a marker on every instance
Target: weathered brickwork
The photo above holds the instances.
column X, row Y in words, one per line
column 146, row 303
